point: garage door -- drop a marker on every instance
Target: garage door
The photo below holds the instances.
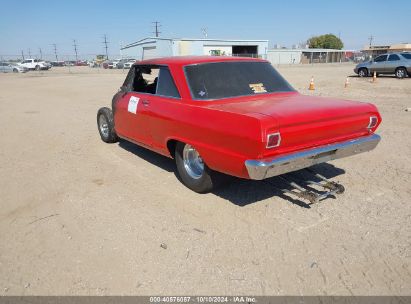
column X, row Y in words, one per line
column 149, row 52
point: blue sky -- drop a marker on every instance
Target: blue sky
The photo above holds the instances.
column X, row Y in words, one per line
column 38, row 24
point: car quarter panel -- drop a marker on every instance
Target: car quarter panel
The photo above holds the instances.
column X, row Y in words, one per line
column 224, row 140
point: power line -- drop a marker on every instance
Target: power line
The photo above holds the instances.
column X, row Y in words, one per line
column 55, row 50
column 75, row 48
column 156, row 25
column 105, row 42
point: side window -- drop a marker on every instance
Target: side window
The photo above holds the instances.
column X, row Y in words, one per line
column 145, row 79
column 128, row 82
column 166, row 85
column 381, row 58
column 394, row 57
column 406, row 55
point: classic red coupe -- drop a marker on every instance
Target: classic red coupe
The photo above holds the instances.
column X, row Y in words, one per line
column 236, row 116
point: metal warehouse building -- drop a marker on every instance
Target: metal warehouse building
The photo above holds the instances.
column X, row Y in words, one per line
column 154, row 47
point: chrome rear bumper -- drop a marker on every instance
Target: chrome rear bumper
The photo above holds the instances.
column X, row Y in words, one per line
column 268, row 167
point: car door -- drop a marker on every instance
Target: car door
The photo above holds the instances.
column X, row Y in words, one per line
column 130, row 106
column 378, row 64
column 392, row 63
column 161, row 107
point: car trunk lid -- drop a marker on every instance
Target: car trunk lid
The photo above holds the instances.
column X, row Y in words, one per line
column 305, row 121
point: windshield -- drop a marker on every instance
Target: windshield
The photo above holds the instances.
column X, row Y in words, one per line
column 230, row 79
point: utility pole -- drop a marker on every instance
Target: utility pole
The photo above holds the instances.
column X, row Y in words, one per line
column 75, row 48
column 29, row 54
column 105, row 42
column 204, row 31
column 22, row 54
column 371, row 38
column 55, row 50
column 41, row 53
column 157, row 25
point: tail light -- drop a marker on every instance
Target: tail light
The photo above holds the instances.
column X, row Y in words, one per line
column 373, row 122
column 273, row 140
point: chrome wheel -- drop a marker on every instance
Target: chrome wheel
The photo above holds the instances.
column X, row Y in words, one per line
column 103, row 125
column 362, row 73
column 193, row 163
column 400, row 73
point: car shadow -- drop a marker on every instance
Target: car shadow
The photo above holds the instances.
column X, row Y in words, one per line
column 156, row 159
column 243, row 192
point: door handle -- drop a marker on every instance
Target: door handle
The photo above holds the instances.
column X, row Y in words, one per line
column 145, row 102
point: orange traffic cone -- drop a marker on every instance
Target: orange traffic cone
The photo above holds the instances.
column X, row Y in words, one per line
column 347, row 83
column 374, row 77
column 311, row 87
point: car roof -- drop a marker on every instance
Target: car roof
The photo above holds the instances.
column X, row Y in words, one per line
column 186, row 60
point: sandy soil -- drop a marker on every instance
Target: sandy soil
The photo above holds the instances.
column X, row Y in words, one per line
column 80, row 217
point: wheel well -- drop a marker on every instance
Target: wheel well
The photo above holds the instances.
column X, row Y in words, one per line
column 401, row 67
column 171, row 146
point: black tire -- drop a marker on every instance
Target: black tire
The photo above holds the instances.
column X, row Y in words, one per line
column 206, row 182
column 105, row 125
column 363, row 72
column 15, row 71
column 400, row 73
column 37, row 68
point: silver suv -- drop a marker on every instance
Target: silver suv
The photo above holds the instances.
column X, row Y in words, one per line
column 393, row 63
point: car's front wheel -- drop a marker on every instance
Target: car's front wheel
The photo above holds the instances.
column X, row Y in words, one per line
column 15, row 71
column 192, row 170
column 363, row 72
column 37, row 68
column 400, row 72
column 105, row 124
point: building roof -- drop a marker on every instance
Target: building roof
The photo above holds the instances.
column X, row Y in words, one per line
column 185, row 60
column 401, row 46
column 153, row 39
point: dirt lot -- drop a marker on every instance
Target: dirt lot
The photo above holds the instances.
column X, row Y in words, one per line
column 80, row 217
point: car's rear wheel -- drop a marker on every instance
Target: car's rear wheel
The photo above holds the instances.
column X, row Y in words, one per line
column 37, row 68
column 400, row 72
column 15, row 71
column 363, row 72
column 192, row 170
column 105, row 125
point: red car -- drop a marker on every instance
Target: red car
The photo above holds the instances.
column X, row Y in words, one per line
column 232, row 115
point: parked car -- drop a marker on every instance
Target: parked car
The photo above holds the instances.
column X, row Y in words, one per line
column 6, row 67
column 393, row 63
column 121, row 63
column 232, row 115
column 35, row 64
column 57, row 63
column 106, row 64
column 129, row 63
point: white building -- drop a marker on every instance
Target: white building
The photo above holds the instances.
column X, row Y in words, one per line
column 154, row 47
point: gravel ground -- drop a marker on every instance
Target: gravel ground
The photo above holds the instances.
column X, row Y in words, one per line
column 80, row 217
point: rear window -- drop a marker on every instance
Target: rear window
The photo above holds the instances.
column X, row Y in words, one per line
column 406, row 56
column 230, row 79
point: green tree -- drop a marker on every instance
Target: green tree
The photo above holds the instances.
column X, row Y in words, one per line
column 327, row 41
